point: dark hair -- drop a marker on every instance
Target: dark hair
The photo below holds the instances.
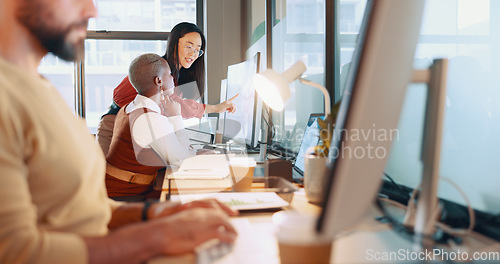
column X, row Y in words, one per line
column 197, row 70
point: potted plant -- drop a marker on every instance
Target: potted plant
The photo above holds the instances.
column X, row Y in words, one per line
column 325, row 132
column 316, row 158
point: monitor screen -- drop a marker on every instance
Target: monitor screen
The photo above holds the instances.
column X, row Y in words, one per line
column 243, row 126
column 368, row 115
column 310, row 139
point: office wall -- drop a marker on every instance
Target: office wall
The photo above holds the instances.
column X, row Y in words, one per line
column 224, row 33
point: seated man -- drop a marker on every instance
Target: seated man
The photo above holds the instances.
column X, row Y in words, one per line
column 149, row 133
column 54, row 205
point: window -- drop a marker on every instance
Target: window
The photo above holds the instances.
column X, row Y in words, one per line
column 299, row 35
column 106, row 64
column 107, row 57
column 350, row 19
column 142, row 15
column 61, row 74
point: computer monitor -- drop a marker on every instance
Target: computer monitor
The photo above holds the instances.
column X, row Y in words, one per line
column 243, row 126
column 381, row 70
column 309, row 139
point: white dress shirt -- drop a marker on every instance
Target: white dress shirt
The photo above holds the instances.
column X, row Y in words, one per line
column 165, row 135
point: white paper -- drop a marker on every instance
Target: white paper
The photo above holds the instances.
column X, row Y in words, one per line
column 203, row 167
column 239, row 200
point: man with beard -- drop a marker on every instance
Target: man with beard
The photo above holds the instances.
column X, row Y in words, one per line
column 54, row 205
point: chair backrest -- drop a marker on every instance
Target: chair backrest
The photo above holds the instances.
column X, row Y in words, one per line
column 105, row 132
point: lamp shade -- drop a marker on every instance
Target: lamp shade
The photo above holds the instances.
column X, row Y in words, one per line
column 272, row 87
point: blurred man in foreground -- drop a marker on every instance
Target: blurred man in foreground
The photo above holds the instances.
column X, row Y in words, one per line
column 54, row 203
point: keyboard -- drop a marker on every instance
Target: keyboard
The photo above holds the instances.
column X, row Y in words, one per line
column 212, row 251
column 197, row 136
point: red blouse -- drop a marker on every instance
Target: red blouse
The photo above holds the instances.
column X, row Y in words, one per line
column 125, row 93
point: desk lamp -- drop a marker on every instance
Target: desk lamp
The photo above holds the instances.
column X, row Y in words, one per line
column 273, row 89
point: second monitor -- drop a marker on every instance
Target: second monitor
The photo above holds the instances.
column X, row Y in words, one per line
column 243, row 126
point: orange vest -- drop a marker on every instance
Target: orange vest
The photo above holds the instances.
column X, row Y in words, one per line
column 126, row 154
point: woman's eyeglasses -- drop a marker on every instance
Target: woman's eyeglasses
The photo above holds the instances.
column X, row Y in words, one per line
column 189, row 49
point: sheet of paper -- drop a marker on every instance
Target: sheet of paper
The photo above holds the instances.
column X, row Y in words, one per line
column 239, row 200
column 203, row 167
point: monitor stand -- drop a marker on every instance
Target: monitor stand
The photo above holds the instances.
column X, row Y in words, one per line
column 264, row 131
column 263, row 145
column 426, row 213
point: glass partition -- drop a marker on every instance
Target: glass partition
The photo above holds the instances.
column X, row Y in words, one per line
column 467, row 33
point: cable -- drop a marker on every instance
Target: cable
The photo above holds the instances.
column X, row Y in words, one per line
column 395, row 184
column 472, row 215
column 395, row 225
column 390, row 179
column 387, row 200
column 267, row 141
column 270, row 124
column 411, row 209
column 270, row 128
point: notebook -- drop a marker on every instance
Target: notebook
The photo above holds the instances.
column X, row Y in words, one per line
column 310, row 138
column 201, row 174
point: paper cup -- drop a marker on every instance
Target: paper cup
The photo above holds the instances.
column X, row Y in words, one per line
column 298, row 241
column 242, row 169
column 218, row 137
column 314, row 178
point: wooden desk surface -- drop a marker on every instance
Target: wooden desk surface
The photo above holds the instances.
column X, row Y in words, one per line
column 262, row 231
column 363, row 243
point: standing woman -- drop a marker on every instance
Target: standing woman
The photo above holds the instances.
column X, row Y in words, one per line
column 186, row 45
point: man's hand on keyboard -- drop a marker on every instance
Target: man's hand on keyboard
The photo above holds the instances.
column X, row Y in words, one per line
column 190, row 228
column 211, row 251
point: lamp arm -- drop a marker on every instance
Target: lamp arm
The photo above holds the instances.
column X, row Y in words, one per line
column 322, row 89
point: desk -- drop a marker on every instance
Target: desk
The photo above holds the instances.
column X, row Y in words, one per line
column 367, row 242
column 262, row 230
column 373, row 242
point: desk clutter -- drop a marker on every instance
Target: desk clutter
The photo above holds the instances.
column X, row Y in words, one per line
column 266, row 193
column 217, row 173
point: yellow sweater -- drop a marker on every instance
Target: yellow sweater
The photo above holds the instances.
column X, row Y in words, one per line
column 52, row 188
